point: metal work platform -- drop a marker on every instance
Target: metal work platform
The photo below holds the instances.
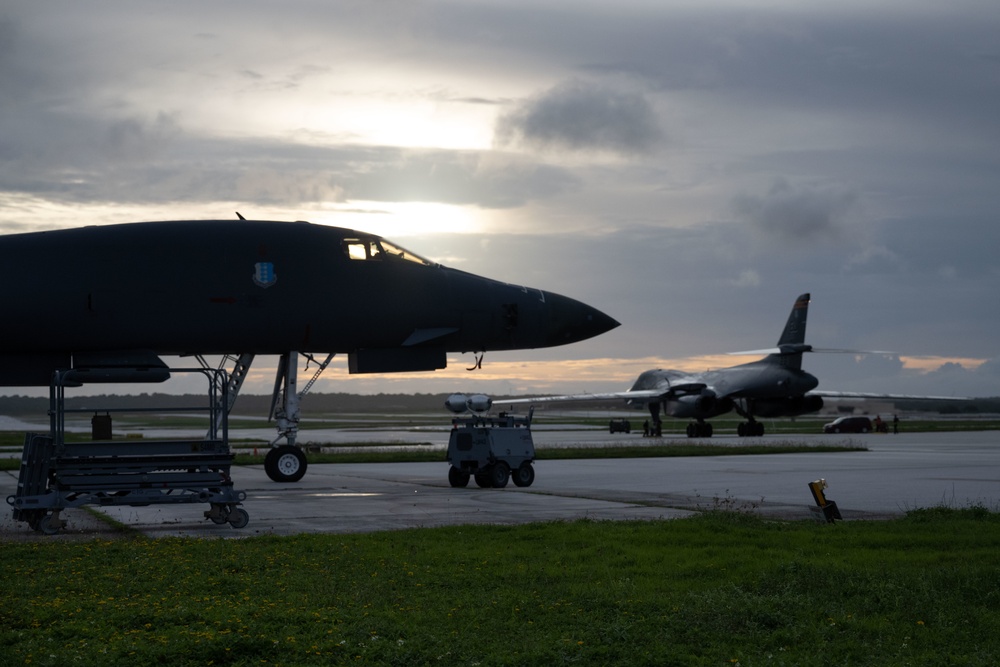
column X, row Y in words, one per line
column 56, row 474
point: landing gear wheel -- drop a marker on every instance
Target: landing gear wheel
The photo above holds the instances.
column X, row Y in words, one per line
column 238, row 517
column 459, row 479
column 285, row 464
column 500, row 475
column 524, row 475
column 699, row 430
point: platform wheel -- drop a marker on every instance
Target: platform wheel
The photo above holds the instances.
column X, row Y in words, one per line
column 285, row 464
column 219, row 514
column 239, row 517
column 50, row 525
column 458, row 478
column 500, row 475
column 524, row 475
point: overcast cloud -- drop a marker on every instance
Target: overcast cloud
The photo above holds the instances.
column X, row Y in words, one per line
column 689, row 168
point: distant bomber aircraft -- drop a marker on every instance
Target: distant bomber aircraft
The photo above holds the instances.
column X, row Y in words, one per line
column 775, row 386
column 110, row 300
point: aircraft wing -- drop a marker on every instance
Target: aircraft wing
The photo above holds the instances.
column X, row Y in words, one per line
column 644, row 395
column 898, row 397
column 786, row 349
column 662, row 388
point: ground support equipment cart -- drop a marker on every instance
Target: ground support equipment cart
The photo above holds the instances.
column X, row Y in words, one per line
column 493, row 450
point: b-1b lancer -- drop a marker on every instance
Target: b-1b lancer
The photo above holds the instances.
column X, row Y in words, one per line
column 109, row 301
column 775, row 386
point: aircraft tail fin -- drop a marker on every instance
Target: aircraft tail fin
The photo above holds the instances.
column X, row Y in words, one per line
column 795, row 329
column 792, row 343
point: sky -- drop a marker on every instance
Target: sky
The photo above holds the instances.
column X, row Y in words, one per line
column 689, row 168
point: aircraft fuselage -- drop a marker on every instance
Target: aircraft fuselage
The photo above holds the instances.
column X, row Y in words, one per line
column 773, row 389
column 221, row 286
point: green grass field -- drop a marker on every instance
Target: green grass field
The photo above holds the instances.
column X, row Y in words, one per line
column 723, row 588
column 719, row 589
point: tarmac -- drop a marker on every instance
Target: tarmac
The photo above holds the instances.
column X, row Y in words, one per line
column 896, row 474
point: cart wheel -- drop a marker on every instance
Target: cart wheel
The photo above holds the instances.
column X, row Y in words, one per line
column 238, row 517
column 500, row 474
column 285, row 464
column 484, row 477
column 458, row 478
column 524, row 475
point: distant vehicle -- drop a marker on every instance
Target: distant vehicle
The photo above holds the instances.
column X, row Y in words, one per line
column 620, row 426
column 848, row 425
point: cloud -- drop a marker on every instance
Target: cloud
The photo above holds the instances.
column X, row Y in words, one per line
column 144, row 161
column 799, row 214
column 748, row 278
column 137, row 139
column 457, row 177
column 582, row 116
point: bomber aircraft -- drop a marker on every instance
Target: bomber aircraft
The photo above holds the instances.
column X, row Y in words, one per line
column 109, row 301
column 775, row 386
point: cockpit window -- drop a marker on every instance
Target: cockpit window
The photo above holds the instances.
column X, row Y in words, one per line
column 376, row 249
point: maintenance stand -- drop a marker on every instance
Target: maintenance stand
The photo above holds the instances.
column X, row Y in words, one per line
column 493, row 450
column 56, row 474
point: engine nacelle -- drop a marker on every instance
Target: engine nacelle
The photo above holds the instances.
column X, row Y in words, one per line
column 788, row 407
column 697, row 406
column 460, row 403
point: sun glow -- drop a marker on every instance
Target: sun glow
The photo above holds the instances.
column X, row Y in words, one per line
column 399, row 219
column 928, row 364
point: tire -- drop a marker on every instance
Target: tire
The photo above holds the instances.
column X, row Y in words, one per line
column 285, row 464
column 49, row 526
column 219, row 515
column 524, row 475
column 239, row 518
column 484, row 478
column 459, row 479
column 500, row 475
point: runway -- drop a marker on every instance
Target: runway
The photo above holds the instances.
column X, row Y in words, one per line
column 897, row 474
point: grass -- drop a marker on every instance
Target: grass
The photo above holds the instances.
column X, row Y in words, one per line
column 725, row 588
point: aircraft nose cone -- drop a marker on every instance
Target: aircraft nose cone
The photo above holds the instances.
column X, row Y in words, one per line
column 571, row 321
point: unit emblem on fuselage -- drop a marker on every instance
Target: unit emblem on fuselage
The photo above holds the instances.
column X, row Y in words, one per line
column 264, row 275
